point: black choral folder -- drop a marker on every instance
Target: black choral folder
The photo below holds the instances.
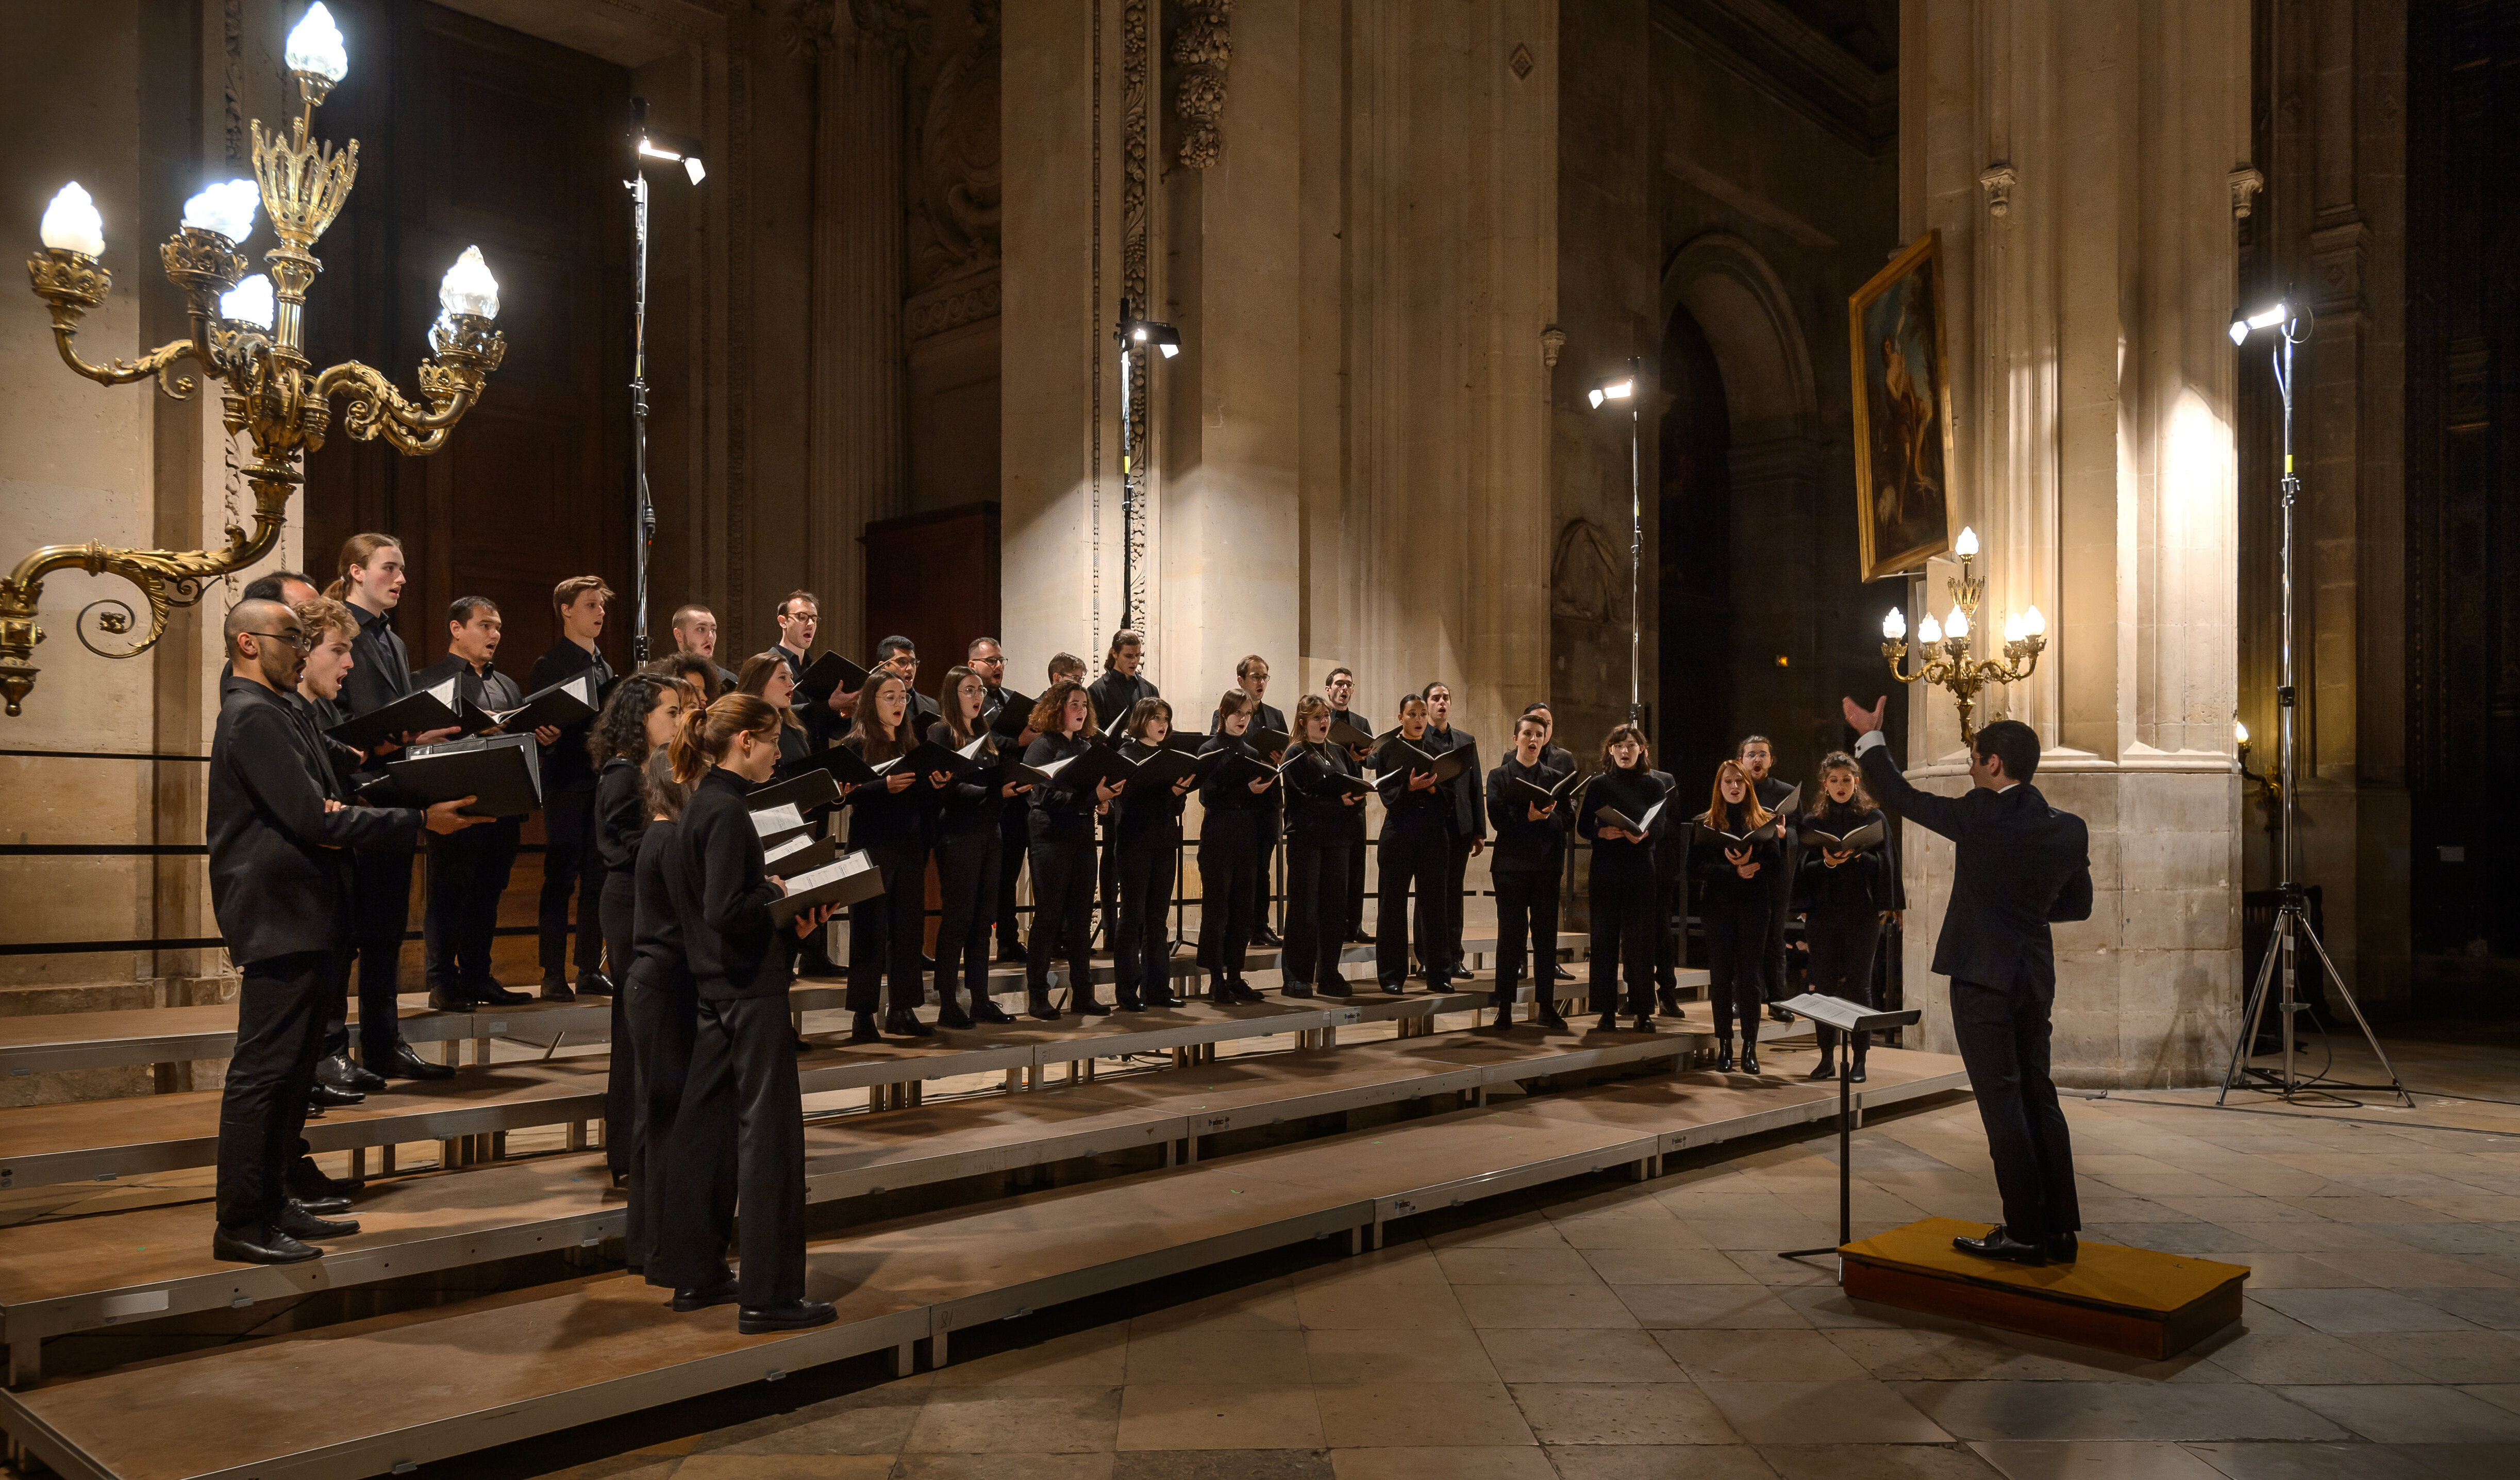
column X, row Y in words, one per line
column 415, row 714
column 844, row 881
column 502, row 772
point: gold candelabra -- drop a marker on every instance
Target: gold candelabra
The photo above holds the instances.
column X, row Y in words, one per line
column 249, row 334
column 2025, row 636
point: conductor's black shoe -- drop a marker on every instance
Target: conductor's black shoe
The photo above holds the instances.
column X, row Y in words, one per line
column 2063, row 1248
column 594, row 984
column 801, row 1044
column 489, row 994
column 1558, row 972
column 986, row 1012
column 321, row 1094
column 1265, row 936
column 1824, row 1069
column 299, row 1222
column 902, row 1022
column 862, row 1028
column 263, row 1246
column 1395, row 988
column 306, row 1181
column 793, row 1315
column 1089, row 1007
column 407, row 1063
column 1161, row 999
column 554, row 989
column 337, row 1070
column 1009, row 956
column 1247, row 994
column 701, row 1297
column 2000, row 1245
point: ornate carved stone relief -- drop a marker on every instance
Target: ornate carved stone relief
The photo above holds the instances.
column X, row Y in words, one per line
column 958, row 172
column 1584, row 578
column 1202, row 48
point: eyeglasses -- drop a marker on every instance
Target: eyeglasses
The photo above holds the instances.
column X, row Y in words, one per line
column 303, row 641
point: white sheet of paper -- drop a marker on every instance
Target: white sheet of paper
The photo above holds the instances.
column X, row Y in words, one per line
column 445, row 693
column 791, row 845
column 784, row 817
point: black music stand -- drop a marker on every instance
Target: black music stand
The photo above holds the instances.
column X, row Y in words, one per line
column 1848, row 1018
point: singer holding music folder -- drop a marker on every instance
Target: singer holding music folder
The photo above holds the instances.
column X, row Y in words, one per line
column 1527, row 801
column 969, row 829
column 1624, row 817
column 1845, row 888
column 570, row 868
column 1002, row 707
column 1413, row 849
column 639, row 718
column 1735, row 850
column 1114, row 694
column 1147, row 822
column 1325, row 819
column 741, row 1104
column 889, row 821
column 1064, row 804
column 468, row 871
column 1237, row 802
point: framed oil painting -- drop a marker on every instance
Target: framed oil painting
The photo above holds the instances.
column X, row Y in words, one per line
column 1903, row 412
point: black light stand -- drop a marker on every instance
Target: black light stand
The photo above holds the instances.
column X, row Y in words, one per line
column 644, row 145
column 2291, row 928
column 1848, row 1018
column 1628, row 388
column 1132, row 334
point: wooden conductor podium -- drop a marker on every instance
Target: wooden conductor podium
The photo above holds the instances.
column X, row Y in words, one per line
column 2134, row 1301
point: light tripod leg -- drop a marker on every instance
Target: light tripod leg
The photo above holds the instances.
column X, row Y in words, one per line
column 2355, row 1008
column 2256, row 1013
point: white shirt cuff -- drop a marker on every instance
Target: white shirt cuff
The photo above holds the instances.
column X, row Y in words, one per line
column 1868, row 739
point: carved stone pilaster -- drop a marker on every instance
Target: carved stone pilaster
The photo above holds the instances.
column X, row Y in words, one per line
column 1552, row 341
column 1202, row 48
column 2245, row 183
column 1997, row 180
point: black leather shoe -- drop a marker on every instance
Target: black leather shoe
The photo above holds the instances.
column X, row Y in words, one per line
column 322, row 1204
column 1038, row 1006
column 1088, row 1008
column 1335, row 987
column 1668, row 999
column 307, row 1183
column 557, row 990
column 901, row 1022
column 1126, row 1002
column 298, row 1221
column 862, row 1028
column 321, row 1094
column 1163, row 1001
column 1645, row 1022
column 952, row 1016
column 986, row 1012
column 1265, row 936
column 1998, row 1244
column 2063, row 1248
column 1394, row 988
column 1550, row 1018
column 486, row 993
column 407, row 1063
column 1009, row 956
column 1610, row 1023
column 1778, row 1015
column 448, row 1000
column 1824, row 1069
column 1298, row 989
column 263, row 1246
column 1858, row 1076
column 1247, row 994
column 794, row 1315
column 336, row 1071
column 701, row 1298
column 1750, row 1060
column 594, row 984
column 1723, row 1059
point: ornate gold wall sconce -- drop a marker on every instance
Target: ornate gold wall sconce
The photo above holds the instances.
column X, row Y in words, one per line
column 249, row 334
column 2025, row 636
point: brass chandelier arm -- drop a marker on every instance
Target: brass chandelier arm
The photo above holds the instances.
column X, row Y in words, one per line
column 376, row 407
column 161, row 362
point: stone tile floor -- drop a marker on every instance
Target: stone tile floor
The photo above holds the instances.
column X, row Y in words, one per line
column 1603, row 1330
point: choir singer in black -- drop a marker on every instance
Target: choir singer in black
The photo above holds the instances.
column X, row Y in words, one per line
column 1530, row 851
column 2017, row 864
column 1844, row 895
column 467, row 873
column 1237, row 802
column 1623, row 875
column 570, row 868
column 281, row 844
column 969, row 837
column 1465, row 831
column 1325, row 822
column 1062, row 853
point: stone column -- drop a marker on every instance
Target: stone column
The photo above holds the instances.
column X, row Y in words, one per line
column 858, row 467
column 2092, row 388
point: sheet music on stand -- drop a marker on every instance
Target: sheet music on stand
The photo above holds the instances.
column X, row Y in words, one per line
column 1848, row 1016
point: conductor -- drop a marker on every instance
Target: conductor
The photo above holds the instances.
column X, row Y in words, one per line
column 2017, row 864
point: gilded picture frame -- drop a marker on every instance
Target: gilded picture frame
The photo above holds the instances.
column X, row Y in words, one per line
column 1903, row 412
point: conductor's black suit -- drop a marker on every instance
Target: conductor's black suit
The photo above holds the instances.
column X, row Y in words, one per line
column 2017, row 864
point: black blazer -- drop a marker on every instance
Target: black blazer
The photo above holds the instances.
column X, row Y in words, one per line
column 975, row 803
column 1315, row 813
column 1709, row 860
column 1113, row 692
column 1524, row 846
column 1059, row 812
column 656, row 917
column 486, row 688
column 1469, row 796
column 1403, row 808
column 565, row 763
column 2017, row 864
column 733, row 945
column 620, row 814
column 1231, row 801
column 1862, row 886
column 380, row 665
column 1634, row 792
column 882, row 817
column 280, row 864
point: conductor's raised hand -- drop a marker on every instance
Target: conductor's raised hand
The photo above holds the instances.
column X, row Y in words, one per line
column 1865, row 721
column 448, row 817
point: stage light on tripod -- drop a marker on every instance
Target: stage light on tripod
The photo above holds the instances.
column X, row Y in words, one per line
column 650, row 149
column 1613, row 390
column 1162, row 337
column 2265, row 318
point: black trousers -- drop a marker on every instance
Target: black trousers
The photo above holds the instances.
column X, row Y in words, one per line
column 380, row 913
column 1316, row 913
column 2003, row 1035
column 739, row 1108
column 281, row 1006
column 1456, row 867
column 621, row 1087
column 1623, row 949
column 1228, row 890
column 967, row 877
column 1737, row 943
column 884, row 933
column 1671, row 898
column 1353, row 926
column 1062, row 910
column 664, row 1023
column 1107, row 873
column 467, row 873
column 1772, row 966
column 570, row 870
column 1015, row 841
column 1413, row 853
column 1141, row 947
column 1841, row 965
column 1526, row 931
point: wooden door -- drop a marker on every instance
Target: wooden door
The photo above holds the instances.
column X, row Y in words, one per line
column 473, row 134
column 934, row 579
